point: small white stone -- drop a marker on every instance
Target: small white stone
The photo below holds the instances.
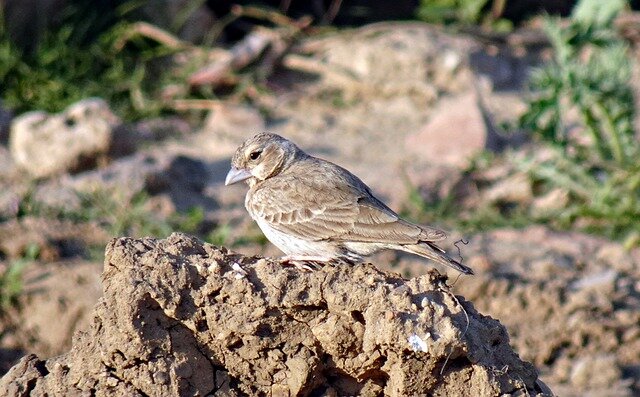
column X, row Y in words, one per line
column 417, row 344
column 236, row 266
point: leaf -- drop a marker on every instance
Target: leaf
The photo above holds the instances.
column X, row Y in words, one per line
column 597, row 13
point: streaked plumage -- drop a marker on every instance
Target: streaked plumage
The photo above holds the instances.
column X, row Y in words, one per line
column 313, row 209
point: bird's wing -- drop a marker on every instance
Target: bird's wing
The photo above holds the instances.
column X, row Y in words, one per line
column 303, row 208
column 377, row 223
column 320, row 209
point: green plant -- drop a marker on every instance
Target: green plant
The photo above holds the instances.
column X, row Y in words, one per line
column 465, row 12
column 220, row 235
column 189, row 222
column 590, row 75
column 595, row 155
column 87, row 55
column 121, row 216
column 11, row 279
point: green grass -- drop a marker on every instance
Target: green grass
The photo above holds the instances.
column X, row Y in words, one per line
column 595, row 160
column 465, row 12
column 11, row 283
column 87, row 55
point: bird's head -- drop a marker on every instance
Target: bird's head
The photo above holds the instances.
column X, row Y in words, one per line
column 261, row 157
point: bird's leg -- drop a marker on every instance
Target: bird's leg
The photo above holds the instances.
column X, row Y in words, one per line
column 305, row 262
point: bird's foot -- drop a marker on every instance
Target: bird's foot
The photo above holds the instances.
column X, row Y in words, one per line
column 307, row 263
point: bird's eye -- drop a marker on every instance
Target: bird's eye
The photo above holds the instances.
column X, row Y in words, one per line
column 255, row 155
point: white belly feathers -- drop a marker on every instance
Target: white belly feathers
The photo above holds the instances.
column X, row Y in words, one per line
column 292, row 245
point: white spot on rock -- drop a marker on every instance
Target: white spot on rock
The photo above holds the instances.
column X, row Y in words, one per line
column 417, row 344
column 240, row 272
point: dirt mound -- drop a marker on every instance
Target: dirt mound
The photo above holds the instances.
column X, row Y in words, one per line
column 182, row 318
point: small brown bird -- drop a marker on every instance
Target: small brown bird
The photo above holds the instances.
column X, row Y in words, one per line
column 316, row 211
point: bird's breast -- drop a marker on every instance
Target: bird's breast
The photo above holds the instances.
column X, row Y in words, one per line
column 292, row 245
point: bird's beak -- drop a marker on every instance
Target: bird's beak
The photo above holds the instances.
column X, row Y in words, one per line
column 236, row 175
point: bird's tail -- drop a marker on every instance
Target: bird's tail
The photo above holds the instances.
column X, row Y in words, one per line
column 431, row 251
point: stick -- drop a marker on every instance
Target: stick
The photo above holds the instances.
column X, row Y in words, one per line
column 238, row 57
column 153, row 32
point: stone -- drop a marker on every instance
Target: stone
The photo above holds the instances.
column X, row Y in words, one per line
column 455, row 132
column 49, row 144
column 188, row 323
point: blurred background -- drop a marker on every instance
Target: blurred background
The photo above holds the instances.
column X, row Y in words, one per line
column 510, row 123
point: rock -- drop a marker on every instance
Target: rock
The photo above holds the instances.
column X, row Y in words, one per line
column 455, row 132
column 45, row 144
column 183, row 181
column 12, row 188
column 395, row 60
column 10, row 198
column 197, row 319
column 598, row 371
column 550, row 203
column 569, row 300
column 124, row 178
column 516, row 188
column 603, row 280
column 7, row 165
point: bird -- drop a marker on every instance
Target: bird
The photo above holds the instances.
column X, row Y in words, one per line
column 318, row 212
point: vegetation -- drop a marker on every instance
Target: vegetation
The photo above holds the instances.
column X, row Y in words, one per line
column 581, row 111
column 465, row 12
column 72, row 61
column 596, row 161
column 11, row 278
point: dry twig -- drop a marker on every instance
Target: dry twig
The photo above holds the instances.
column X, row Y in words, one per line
column 238, row 57
column 152, row 32
column 252, row 47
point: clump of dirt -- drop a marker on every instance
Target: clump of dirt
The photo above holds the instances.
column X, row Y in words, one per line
column 179, row 317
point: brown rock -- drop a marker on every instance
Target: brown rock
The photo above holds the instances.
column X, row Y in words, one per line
column 46, row 145
column 128, row 138
column 11, row 193
column 158, row 171
column 455, row 132
column 180, row 318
